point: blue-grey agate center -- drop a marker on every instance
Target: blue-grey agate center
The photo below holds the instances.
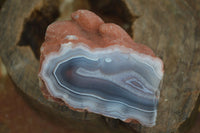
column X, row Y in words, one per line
column 136, row 90
column 108, row 82
column 68, row 78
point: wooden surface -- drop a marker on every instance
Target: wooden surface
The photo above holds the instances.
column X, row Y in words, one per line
column 18, row 115
column 170, row 28
column 24, row 116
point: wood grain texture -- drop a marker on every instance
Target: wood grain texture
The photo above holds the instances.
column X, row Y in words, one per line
column 170, row 28
column 22, row 64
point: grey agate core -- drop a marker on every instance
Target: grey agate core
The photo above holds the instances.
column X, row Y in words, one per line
column 114, row 84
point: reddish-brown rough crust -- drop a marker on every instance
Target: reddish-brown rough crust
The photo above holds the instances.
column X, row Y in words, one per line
column 130, row 120
column 90, row 30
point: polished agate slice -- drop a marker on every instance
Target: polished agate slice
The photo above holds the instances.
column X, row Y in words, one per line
column 97, row 67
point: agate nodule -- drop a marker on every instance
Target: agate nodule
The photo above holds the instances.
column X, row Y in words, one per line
column 95, row 66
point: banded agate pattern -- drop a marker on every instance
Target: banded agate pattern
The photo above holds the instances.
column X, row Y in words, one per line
column 107, row 81
column 93, row 66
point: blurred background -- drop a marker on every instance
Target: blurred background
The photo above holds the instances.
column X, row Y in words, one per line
column 18, row 114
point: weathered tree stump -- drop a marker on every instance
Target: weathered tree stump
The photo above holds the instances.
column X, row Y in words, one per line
column 170, row 28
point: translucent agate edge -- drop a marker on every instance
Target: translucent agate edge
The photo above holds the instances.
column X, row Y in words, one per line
column 107, row 108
